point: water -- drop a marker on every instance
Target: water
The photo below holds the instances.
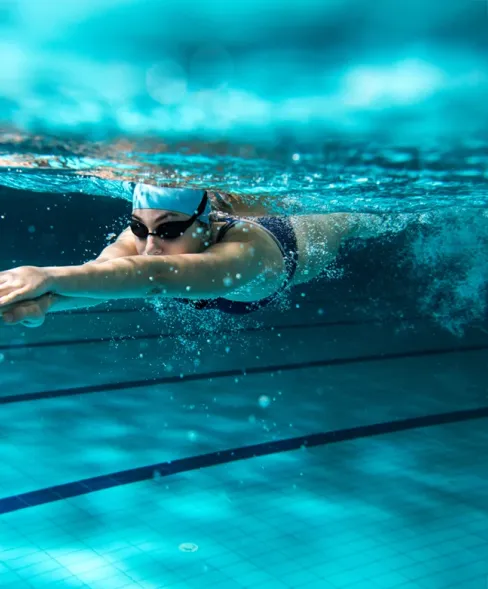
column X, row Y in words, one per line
column 336, row 441
column 347, row 175
column 437, row 192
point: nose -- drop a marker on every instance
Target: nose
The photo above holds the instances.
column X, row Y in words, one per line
column 153, row 246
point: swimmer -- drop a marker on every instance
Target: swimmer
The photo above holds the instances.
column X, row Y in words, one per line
column 180, row 245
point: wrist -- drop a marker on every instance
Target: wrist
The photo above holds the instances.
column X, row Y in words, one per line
column 59, row 278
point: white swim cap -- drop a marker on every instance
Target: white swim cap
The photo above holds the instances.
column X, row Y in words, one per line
column 178, row 200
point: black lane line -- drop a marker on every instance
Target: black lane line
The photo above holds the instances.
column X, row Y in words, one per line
column 164, row 469
column 133, row 384
column 153, row 336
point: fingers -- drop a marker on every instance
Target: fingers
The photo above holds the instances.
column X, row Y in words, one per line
column 15, row 315
column 14, row 297
column 28, row 314
column 5, row 277
column 8, row 318
column 6, row 288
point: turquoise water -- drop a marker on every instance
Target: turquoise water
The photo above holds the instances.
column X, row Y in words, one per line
column 434, row 197
column 337, row 441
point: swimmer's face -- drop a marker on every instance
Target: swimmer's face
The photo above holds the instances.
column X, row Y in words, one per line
column 192, row 241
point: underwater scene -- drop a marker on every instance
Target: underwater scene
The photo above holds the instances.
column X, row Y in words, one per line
column 243, row 294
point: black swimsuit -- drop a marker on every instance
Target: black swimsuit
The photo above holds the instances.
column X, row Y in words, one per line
column 282, row 231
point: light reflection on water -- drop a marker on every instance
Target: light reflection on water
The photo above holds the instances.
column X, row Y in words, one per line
column 334, row 176
column 322, row 107
column 443, row 188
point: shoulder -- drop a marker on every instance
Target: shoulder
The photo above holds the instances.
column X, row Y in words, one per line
column 243, row 230
column 248, row 235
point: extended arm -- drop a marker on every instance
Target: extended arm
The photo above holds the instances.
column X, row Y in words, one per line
column 32, row 312
column 218, row 271
column 122, row 247
column 214, row 273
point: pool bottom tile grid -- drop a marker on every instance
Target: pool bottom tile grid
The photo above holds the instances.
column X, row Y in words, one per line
column 403, row 511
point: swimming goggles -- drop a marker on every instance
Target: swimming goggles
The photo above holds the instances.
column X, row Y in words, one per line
column 169, row 229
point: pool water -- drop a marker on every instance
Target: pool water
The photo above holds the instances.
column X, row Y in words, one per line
column 335, row 441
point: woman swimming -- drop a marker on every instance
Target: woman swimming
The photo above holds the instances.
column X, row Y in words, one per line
column 178, row 246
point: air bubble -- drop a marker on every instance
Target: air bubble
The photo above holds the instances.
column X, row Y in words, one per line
column 188, row 547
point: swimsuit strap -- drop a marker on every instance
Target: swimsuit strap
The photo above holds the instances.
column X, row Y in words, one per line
column 283, row 233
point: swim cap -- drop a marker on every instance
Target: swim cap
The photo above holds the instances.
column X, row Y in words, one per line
column 177, row 200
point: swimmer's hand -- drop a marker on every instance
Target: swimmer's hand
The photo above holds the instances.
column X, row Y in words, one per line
column 23, row 284
column 28, row 313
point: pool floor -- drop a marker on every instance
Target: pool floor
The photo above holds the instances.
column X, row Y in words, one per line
column 406, row 508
